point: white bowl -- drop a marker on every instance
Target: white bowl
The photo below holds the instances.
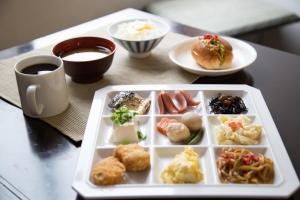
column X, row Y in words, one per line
column 139, row 48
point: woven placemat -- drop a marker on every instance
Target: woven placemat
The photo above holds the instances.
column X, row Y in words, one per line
column 156, row 69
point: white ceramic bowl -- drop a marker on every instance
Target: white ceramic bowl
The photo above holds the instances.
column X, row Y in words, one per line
column 139, row 48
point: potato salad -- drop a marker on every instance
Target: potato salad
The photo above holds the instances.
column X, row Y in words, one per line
column 238, row 130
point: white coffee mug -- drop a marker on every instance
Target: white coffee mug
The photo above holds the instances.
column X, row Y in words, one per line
column 44, row 94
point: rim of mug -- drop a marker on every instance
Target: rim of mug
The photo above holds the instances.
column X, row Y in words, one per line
column 34, row 57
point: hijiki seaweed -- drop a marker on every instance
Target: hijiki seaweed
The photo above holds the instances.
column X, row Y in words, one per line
column 226, row 104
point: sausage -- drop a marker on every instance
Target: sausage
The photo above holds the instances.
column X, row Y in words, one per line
column 169, row 105
column 161, row 104
column 189, row 99
column 181, row 100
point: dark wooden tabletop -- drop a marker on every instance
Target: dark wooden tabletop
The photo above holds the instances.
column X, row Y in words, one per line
column 37, row 162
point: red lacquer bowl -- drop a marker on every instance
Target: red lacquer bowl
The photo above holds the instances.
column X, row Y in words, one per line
column 85, row 71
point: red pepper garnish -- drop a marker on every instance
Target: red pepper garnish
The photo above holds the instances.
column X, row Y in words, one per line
column 207, row 36
column 249, row 158
column 210, row 36
column 235, row 125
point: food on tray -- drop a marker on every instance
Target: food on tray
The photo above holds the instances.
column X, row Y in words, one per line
column 212, row 52
column 163, row 123
column 177, row 131
column 237, row 165
column 111, row 170
column 238, row 130
column 182, row 102
column 194, row 138
column 122, row 115
column 138, row 30
column 226, row 104
column 183, row 169
column 192, row 120
column 125, row 127
column 189, row 99
column 131, row 100
column 108, row 171
column 133, row 156
column 167, row 105
column 125, row 133
column 161, row 105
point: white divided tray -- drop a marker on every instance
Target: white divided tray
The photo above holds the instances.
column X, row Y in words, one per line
column 96, row 146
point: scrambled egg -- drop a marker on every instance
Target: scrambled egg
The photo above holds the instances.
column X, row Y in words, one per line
column 183, row 169
column 145, row 27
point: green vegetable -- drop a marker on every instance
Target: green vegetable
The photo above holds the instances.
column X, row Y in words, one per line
column 222, row 53
column 122, row 115
column 194, row 138
column 219, row 49
column 186, row 141
column 197, row 138
column 141, row 136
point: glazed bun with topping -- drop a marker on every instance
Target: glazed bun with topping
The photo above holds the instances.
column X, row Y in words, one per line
column 212, row 52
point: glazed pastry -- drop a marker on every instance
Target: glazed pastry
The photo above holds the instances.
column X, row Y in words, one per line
column 133, row 156
column 212, row 52
column 108, row 171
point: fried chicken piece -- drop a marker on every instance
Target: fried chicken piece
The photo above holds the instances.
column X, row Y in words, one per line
column 133, row 156
column 108, row 171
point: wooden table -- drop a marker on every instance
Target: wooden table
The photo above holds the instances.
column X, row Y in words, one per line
column 37, row 162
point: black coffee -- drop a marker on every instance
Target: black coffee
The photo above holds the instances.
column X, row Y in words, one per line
column 35, row 69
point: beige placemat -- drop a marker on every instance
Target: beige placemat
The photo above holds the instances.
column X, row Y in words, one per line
column 156, row 69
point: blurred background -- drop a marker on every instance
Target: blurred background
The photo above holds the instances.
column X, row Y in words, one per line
column 274, row 23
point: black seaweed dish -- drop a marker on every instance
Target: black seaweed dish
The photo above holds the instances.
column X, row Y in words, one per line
column 226, row 104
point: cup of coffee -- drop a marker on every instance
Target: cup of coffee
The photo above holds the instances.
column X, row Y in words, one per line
column 42, row 86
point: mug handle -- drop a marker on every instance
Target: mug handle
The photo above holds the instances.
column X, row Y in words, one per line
column 34, row 107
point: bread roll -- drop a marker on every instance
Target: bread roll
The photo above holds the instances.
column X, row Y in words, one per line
column 212, row 52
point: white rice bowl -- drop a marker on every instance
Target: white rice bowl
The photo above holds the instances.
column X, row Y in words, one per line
column 138, row 30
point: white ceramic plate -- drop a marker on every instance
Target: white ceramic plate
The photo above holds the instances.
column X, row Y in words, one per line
column 243, row 55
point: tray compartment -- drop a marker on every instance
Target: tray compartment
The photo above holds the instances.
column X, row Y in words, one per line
column 208, row 95
column 106, row 130
column 162, row 140
column 108, row 111
column 262, row 150
column 197, row 96
column 164, row 155
column 136, row 178
column 213, row 122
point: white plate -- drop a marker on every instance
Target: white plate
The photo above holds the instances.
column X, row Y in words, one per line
column 96, row 146
column 243, row 55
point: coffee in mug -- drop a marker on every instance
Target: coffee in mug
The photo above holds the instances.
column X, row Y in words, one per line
column 42, row 86
column 39, row 68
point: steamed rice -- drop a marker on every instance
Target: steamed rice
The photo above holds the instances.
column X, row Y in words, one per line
column 138, row 30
